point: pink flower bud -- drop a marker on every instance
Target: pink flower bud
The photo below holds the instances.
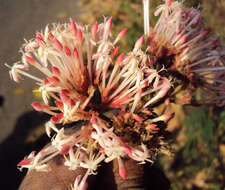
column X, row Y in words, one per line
column 122, row 172
column 72, row 103
column 46, row 107
column 108, row 24
column 59, row 104
column 139, row 43
column 46, row 81
column 55, row 70
column 37, row 106
column 79, row 35
column 51, row 36
column 67, row 50
column 137, row 118
column 57, row 117
column 93, row 120
column 73, row 27
column 169, row 2
column 120, row 35
column 53, row 79
column 120, row 58
column 94, row 29
column 30, row 60
column 58, row 44
column 75, row 54
column 65, row 149
column 116, row 51
column 38, row 35
column 40, row 40
column 26, row 161
column 64, row 96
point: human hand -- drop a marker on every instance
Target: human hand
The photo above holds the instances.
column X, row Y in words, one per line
column 138, row 177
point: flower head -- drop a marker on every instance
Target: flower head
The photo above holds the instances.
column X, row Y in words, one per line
column 181, row 43
column 84, row 78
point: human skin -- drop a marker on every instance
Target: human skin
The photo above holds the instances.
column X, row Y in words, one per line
column 61, row 178
column 138, row 177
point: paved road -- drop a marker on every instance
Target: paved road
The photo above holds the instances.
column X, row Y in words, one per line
column 20, row 19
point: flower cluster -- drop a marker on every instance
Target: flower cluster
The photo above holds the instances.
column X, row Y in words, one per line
column 84, row 78
column 180, row 42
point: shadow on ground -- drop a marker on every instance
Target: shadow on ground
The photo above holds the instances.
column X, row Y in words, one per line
column 14, row 148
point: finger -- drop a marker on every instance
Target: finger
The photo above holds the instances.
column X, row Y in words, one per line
column 140, row 177
column 59, row 178
column 134, row 175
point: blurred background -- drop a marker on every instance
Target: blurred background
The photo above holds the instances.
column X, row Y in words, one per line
column 198, row 133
